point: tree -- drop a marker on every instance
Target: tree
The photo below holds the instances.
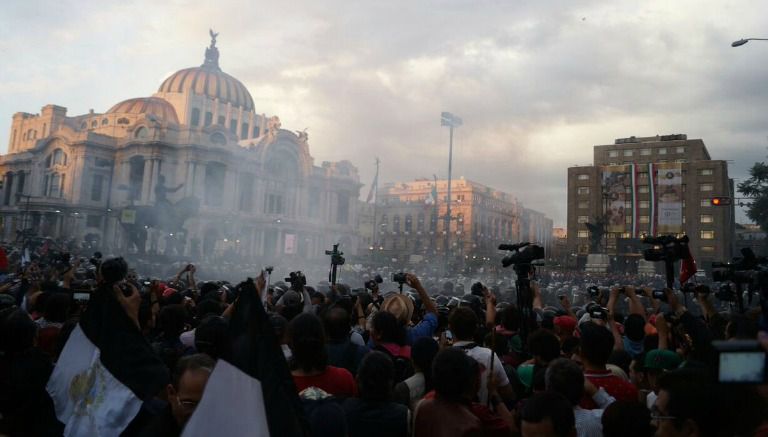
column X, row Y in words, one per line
column 756, row 188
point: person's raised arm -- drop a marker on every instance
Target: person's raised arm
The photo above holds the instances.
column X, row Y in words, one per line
column 613, row 296
column 663, row 328
column 414, row 283
column 648, row 292
column 192, row 282
column 537, row 303
column 635, row 306
column 490, row 308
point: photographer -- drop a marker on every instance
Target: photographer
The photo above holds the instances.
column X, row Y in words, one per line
column 693, row 336
column 634, row 324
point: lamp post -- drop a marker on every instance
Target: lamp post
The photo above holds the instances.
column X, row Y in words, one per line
column 743, row 41
column 452, row 121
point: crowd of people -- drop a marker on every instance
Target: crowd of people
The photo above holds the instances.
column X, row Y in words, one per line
column 432, row 356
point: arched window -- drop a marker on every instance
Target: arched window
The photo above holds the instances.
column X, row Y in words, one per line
column 195, row 121
column 135, row 177
column 208, row 118
column 244, row 131
column 84, row 125
column 408, row 223
column 123, row 120
column 57, row 157
column 29, row 134
column 94, row 124
column 104, row 122
column 218, row 138
column 233, row 126
column 141, row 133
column 256, row 131
column 396, row 224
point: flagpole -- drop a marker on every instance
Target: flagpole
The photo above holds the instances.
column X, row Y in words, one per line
column 452, row 121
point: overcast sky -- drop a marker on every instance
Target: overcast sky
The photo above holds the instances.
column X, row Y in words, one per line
column 538, row 83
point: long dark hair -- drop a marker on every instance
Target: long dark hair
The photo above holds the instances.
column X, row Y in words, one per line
column 423, row 353
column 306, row 339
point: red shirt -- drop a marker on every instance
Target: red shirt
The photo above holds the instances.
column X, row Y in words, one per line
column 335, row 380
column 615, row 386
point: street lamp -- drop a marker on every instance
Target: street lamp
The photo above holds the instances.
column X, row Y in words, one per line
column 743, row 41
column 452, row 121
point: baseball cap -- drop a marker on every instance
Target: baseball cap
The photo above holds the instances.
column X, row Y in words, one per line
column 661, row 359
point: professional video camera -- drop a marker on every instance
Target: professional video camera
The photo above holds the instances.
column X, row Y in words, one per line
column 400, row 278
column 522, row 257
column 297, row 281
column 749, row 270
column 337, row 259
column 527, row 255
column 668, row 249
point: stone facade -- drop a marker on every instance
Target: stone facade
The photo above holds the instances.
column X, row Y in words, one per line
column 198, row 140
column 411, row 220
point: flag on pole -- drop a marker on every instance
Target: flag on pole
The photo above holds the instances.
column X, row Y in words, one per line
column 250, row 393
column 687, row 268
column 105, row 372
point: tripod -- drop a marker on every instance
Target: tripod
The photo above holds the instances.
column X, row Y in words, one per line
column 524, row 300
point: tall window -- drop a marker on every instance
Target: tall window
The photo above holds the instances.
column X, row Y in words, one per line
column 256, row 131
column 233, row 126
column 136, row 177
column 396, row 224
column 96, row 188
column 408, row 223
column 56, row 181
column 222, row 121
column 342, row 212
column 214, row 183
column 208, row 118
column 314, row 203
column 246, row 192
column 244, row 131
column 195, row 121
column 420, row 222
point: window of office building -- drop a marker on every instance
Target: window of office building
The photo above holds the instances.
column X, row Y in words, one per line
column 626, row 235
column 680, row 149
column 706, row 187
column 583, row 219
column 628, row 219
column 662, row 150
column 613, row 153
column 629, row 152
column 644, row 204
column 707, row 235
column 644, row 219
column 645, row 152
column 583, row 234
column 706, row 218
column 583, row 190
column 681, row 161
column 583, row 177
column 642, row 189
column 705, row 172
column 706, row 202
column 583, row 204
column 707, row 249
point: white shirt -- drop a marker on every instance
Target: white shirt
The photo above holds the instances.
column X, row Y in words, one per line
column 589, row 422
column 484, row 356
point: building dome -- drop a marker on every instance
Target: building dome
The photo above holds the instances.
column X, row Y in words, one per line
column 208, row 80
column 147, row 105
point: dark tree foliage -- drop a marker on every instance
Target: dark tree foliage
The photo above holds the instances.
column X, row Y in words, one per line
column 756, row 187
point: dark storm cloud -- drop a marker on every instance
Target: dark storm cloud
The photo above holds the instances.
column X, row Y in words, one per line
column 537, row 83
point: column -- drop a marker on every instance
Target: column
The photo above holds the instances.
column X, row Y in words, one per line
column 189, row 187
column 155, row 173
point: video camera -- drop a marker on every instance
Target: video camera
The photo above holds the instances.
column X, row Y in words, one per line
column 671, row 248
column 297, row 281
column 749, row 270
column 668, row 249
column 522, row 253
column 337, row 258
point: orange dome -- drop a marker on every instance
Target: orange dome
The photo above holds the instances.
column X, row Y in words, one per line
column 210, row 82
column 147, row 105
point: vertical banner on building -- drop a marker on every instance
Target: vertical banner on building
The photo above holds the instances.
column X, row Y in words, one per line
column 290, row 244
column 669, row 199
column 652, row 198
column 635, row 210
column 615, row 185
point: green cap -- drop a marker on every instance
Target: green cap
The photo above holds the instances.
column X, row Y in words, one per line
column 662, row 359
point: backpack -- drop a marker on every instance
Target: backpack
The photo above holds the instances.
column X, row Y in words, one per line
column 403, row 366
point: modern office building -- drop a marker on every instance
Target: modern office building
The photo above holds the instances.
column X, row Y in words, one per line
column 660, row 185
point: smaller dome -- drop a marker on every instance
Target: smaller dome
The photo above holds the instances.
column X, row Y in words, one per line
column 156, row 106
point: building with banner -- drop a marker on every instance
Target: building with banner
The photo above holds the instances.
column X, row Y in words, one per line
column 660, row 185
column 410, row 218
column 192, row 170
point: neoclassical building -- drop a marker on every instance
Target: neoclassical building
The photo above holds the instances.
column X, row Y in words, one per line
column 193, row 169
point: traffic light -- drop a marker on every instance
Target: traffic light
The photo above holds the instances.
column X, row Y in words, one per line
column 720, row 201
